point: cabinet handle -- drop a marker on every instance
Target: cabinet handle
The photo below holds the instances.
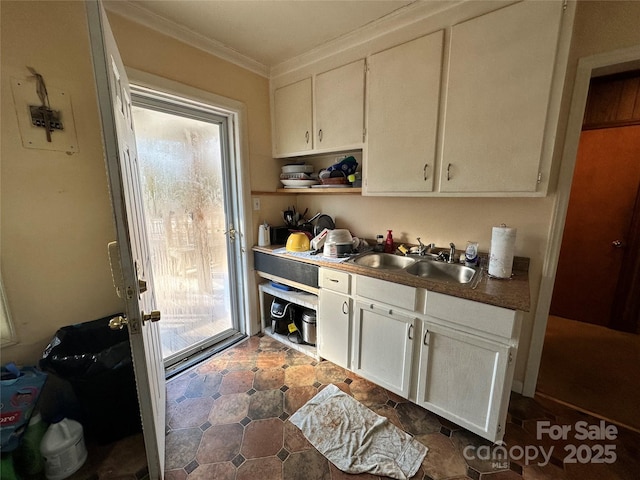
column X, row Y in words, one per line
column 345, row 308
column 424, row 171
column 371, row 306
column 306, row 136
column 320, row 134
column 424, row 340
column 448, row 172
column 410, row 332
column 333, row 280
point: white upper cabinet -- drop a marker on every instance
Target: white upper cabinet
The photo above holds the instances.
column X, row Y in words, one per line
column 293, row 118
column 402, row 117
column 501, row 68
column 463, row 102
column 339, row 107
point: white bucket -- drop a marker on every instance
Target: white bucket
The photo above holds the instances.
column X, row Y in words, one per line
column 63, row 449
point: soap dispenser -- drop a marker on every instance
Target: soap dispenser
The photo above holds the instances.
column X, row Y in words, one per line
column 388, row 244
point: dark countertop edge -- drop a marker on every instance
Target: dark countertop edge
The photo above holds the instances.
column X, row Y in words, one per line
column 512, row 293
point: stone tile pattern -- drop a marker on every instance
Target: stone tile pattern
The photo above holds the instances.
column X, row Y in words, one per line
column 228, row 419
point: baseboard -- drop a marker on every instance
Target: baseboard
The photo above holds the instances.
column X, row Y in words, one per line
column 517, row 386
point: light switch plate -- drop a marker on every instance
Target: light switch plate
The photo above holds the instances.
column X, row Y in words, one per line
column 24, row 95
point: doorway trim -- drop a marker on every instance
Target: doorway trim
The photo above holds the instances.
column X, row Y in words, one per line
column 588, row 67
column 236, row 112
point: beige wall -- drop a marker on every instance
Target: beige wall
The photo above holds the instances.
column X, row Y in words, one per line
column 603, row 26
column 56, row 214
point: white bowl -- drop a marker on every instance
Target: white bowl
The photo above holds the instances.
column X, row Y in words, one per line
column 297, row 168
column 298, row 183
column 339, row 235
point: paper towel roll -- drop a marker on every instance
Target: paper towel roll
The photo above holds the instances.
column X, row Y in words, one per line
column 503, row 240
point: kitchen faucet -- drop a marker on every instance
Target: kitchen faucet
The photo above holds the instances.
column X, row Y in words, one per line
column 448, row 257
column 422, row 248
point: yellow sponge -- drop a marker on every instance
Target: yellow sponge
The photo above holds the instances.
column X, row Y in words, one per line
column 403, row 249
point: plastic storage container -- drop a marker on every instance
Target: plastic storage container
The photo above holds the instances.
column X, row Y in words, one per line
column 63, row 449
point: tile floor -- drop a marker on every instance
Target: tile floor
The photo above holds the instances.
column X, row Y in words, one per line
column 227, row 418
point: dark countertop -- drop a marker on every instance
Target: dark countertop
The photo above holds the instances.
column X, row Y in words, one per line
column 510, row 293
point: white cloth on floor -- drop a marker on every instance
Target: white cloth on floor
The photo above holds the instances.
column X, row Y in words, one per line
column 356, row 439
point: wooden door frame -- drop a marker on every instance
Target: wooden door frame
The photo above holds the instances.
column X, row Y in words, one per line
column 588, row 67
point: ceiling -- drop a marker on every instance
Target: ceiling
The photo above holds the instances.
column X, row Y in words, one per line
column 260, row 33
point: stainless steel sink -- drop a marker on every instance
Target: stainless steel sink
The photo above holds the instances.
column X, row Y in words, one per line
column 440, row 271
column 429, row 269
column 383, row 261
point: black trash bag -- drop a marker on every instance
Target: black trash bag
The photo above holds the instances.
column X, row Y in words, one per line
column 97, row 362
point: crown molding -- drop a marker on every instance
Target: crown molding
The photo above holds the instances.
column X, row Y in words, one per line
column 185, row 35
column 401, row 18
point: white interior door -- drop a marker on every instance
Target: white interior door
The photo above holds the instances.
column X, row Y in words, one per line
column 133, row 268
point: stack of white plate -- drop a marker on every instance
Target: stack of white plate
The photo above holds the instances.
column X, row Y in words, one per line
column 298, row 176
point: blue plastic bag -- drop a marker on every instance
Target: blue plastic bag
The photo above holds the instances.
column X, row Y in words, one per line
column 19, row 392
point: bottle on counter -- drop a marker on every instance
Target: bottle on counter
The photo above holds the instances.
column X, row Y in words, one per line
column 471, row 254
column 379, row 244
column 388, row 244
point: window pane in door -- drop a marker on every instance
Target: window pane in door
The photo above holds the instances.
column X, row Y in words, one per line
column 180, row 161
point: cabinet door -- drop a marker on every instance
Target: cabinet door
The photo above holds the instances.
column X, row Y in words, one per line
column 383, row 346
column 292, row 118
column 497, row 98
column 334, row 327
column 402, row 116
column 339, row 107
column 465, row 379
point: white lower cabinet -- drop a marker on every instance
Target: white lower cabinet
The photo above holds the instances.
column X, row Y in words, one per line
column 334, row 327
column 383, row 346
column 463, row 378
column 452, row 356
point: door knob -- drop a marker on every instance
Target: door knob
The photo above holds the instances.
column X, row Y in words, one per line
column 118, row 323
column 617, row 244
column 154, row 316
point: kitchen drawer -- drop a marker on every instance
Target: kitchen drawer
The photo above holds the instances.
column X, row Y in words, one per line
column 388, row 293
column 488, row 319
column 334, row 280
